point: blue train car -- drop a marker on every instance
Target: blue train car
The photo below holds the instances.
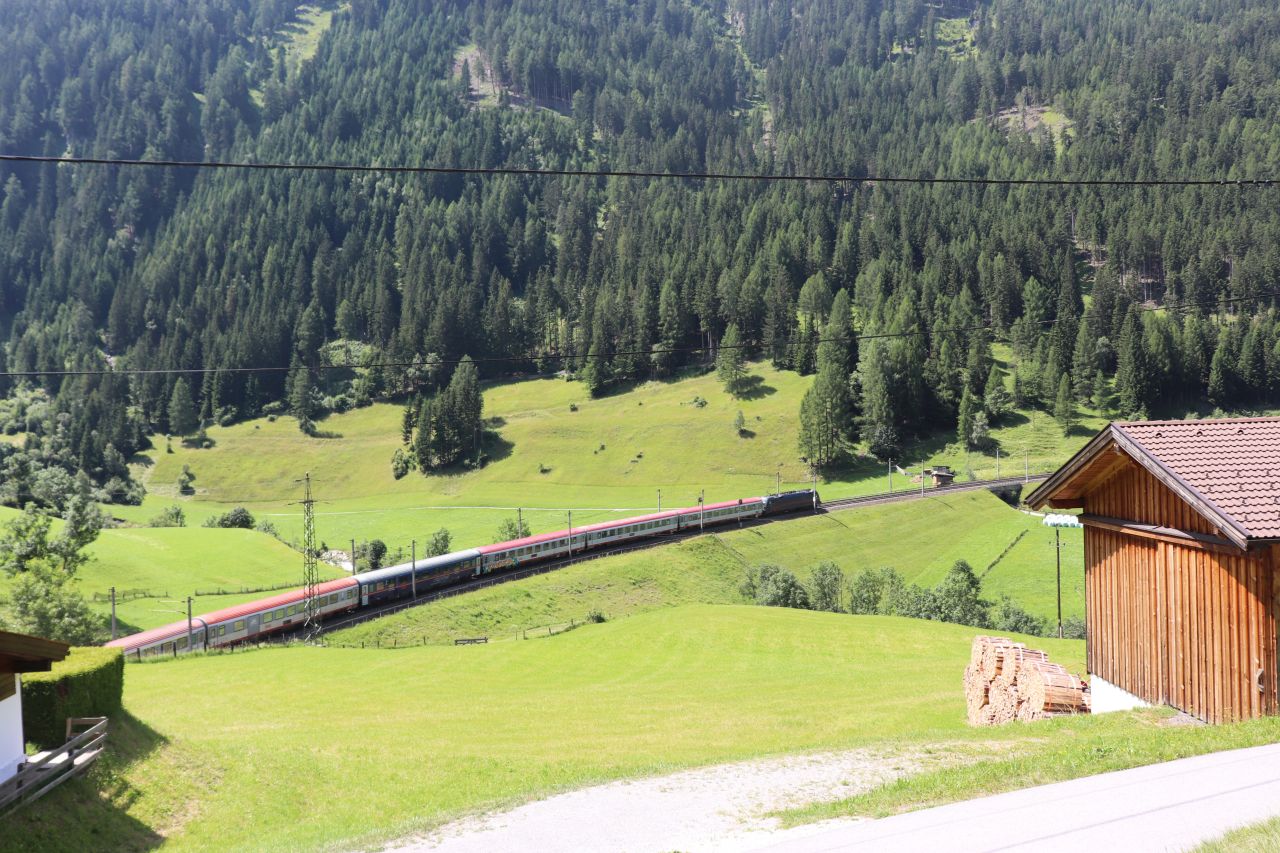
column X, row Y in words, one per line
column 428, row 573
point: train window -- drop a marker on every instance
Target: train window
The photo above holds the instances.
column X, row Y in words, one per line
column 239, row 625
column 182, row 643
column 279, row 614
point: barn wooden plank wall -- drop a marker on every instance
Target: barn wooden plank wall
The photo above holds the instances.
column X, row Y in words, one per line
column 1187, row 625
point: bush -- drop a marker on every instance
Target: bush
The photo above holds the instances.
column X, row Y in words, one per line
column 1012, row 618
column 595, row 616
column 777, row 587
column 170, row 516
column 1073, row 628
column 89, row 683
column 238, row 517
column 400, row 463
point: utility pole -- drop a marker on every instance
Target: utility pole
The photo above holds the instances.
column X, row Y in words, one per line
column 659, row 500
column 413, row 566
column 890, row 476
column 921, row 478
column 1057, row 547
column 310, row 571
column 702, row 509
column 190, row 637
column 520, row 522
column 113, row 612
column 779, row 491
column 353, row 556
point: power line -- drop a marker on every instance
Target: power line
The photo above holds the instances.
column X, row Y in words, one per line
column 638, row 173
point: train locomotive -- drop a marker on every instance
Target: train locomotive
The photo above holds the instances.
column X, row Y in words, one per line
column 256, row 620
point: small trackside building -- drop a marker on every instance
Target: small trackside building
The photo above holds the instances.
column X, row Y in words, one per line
column 1182, row 527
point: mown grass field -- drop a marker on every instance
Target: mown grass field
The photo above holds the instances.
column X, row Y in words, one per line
column 921, row 539
column 389, row 742
column 306, row 748
column 606, row 460
column 174, row 562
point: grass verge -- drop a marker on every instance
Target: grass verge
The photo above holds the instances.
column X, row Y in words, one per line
column 1062, row 749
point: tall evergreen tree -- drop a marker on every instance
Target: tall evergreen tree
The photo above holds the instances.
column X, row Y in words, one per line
column 182, row 409
column 731, row 360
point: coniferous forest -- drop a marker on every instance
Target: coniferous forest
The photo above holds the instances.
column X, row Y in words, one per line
column 1158, row 298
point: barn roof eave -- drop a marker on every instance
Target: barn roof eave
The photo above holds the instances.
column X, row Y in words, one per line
column 1114, row 435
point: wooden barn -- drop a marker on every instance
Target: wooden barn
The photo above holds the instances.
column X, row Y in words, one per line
column 1182, row 526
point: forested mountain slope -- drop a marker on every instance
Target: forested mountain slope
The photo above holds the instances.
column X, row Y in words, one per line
column 1165, row 294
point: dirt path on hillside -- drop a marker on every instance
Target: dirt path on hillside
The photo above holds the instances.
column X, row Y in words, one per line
column 721, row 808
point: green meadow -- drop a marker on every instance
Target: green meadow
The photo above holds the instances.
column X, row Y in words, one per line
column 552, row 450
column 171, row 563
column 921, row 539
column 216, row 748
column 307, row 748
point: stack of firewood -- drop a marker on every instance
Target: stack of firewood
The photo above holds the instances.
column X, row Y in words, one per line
column 1006, row 681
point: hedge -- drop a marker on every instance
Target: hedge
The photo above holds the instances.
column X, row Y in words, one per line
column 88, row 683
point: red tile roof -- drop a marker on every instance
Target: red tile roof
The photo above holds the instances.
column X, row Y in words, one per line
column 1232, row 464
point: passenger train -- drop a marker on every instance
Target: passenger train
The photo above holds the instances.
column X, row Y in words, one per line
column 256, row 620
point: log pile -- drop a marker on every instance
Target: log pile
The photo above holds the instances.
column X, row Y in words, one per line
column 1006, row 681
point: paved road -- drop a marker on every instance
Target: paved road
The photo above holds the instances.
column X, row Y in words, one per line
column 1171, row 806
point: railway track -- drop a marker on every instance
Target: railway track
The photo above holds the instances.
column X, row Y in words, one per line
column 520, row 574
column 894, row 497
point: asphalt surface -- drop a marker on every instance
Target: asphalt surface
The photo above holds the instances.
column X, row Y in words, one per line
column 1172, row 806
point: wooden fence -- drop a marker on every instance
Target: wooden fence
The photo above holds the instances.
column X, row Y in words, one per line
column 86, row 738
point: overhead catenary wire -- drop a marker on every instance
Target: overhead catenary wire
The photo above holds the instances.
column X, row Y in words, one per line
column 528, row 171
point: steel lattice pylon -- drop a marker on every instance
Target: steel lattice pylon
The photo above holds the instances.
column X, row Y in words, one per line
column 310, row 572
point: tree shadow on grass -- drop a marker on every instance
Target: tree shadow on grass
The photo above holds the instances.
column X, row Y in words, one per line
column 746, row 433
column 91, row 812
column 753, row 388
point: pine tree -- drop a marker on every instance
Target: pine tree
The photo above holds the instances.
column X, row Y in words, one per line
column 824, row 416
column 964, row 423
column 1101, row 392
column 730, row 360
column 1064, row 409
column 594, row 373
column 995, row 397
column 300, row 405
column 182, row 409
column 1133, row 378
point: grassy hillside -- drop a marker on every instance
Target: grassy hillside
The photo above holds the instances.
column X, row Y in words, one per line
column 605, row 460
column 921, row 539
column 174, row 562
column 462, row 728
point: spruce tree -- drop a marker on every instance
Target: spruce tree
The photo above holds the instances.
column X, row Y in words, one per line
column 824, row 416
column 730, row 360
column 1064, row 409
column 964, row 422
column 182, row 409
column 995, row 397
column 1133, row 379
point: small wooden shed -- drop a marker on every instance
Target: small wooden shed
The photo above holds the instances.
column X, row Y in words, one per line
column 19, row 653
column 1182, row 526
